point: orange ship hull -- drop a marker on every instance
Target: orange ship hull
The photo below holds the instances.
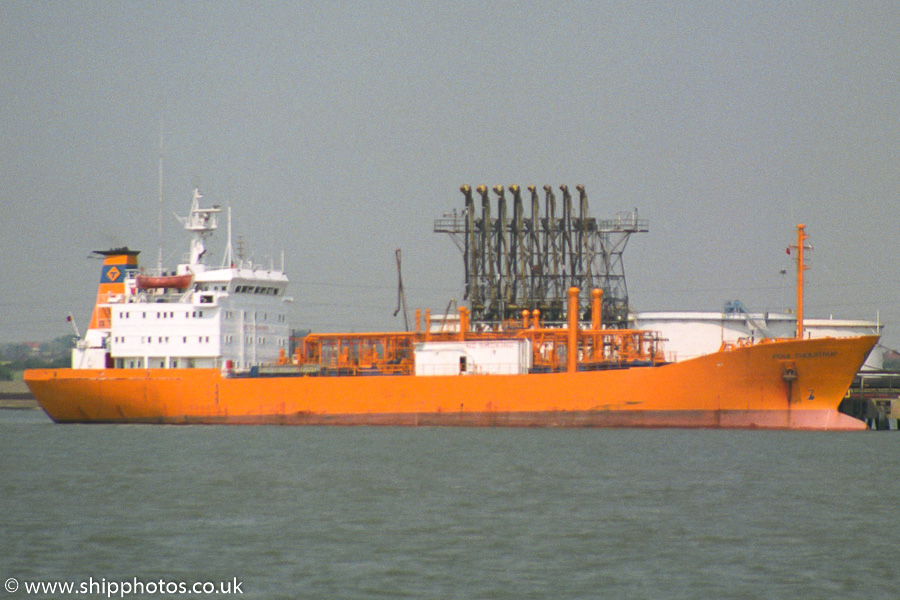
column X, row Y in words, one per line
column 745, row 387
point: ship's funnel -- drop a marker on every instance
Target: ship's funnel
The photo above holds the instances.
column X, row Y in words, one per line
column 112, row 281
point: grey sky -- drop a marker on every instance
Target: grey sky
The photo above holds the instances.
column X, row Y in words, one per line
column 338, row 131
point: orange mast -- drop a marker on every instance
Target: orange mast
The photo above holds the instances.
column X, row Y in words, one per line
column 801, row 266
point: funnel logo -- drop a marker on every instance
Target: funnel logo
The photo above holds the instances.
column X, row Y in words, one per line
column 110, row 274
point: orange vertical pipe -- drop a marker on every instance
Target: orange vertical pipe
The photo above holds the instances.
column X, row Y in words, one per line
column 525, row 314
column 596, row 320
column 463, row 322
column 596, row 308
column 572, row 347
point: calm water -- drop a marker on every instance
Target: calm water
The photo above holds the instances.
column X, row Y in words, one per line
column 453, row 513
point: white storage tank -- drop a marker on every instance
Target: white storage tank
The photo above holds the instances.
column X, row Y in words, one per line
column 691, row 334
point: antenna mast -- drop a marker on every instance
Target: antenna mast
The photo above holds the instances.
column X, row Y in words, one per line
column 228, row 259
column 201, row 223
column 160, row 201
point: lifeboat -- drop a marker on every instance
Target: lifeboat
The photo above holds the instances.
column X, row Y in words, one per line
column 150, row 282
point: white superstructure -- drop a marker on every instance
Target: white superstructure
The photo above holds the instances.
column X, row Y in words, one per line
column 233, row 317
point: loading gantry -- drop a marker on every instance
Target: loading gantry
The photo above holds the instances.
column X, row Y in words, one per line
column 518, row 261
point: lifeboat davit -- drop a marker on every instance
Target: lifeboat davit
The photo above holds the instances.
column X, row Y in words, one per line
column 150, row 282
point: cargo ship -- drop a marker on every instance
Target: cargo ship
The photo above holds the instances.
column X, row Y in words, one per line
column 205, row 344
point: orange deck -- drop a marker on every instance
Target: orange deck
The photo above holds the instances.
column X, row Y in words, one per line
column 744, row 388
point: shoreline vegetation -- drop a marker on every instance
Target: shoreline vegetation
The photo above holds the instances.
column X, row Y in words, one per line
column 15, row 394
column 15, row 358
